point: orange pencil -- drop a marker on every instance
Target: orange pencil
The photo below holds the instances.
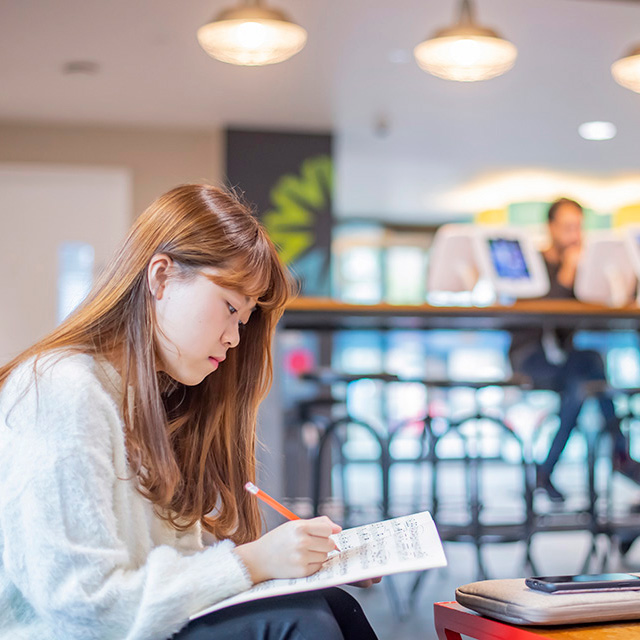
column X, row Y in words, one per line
column 280, row 508
column 265, row 497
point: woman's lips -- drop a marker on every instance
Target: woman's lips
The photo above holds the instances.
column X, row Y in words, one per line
column 216, row 361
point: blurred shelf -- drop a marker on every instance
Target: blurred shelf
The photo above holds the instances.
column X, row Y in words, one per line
column 325, row 314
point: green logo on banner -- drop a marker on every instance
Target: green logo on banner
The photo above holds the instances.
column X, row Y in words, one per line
column 300, row 220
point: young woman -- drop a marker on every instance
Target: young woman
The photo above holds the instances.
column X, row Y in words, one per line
column 130, row 431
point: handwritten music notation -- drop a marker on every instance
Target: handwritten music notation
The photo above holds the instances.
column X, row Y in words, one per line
column 408, row 543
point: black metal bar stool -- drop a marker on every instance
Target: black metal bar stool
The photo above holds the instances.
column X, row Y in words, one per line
column 333, row 436
column 465, row 521
column 334, row 433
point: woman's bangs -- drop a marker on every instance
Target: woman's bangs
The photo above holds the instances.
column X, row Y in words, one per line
column 280, row 290
column 252, row 282
column 255, row 270
column 244, row 278
column 270, row 286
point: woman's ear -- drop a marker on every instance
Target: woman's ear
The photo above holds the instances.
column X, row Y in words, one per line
column 157, row 273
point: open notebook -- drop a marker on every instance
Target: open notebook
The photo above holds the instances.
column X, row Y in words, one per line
column 409, row 543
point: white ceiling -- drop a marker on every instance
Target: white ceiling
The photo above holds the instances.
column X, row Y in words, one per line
column 440, row 136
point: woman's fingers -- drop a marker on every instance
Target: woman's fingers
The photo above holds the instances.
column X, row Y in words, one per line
column 294, row 549
column 321, row 526
column 312, row 557
column 318, row 531
column 365, row 584
column 322, row 545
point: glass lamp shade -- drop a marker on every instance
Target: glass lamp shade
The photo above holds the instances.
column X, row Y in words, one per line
column 466, row 54
column 626, row 71
column 251, row 36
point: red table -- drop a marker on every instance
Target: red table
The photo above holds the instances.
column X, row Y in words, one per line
column 452, row 619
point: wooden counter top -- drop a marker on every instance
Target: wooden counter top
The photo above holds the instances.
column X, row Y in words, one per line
column 327, row 314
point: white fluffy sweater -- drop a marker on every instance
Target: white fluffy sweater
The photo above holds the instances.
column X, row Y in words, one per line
column 82, row 553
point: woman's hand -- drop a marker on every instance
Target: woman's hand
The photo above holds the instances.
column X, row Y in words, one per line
column 365, row 584
column 293, row 550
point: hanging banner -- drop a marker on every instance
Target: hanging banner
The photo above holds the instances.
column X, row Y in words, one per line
column 288, row 177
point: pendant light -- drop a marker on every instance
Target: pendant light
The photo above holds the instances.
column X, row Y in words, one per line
column 626, row 71
column 251, row 35
column 466, row 52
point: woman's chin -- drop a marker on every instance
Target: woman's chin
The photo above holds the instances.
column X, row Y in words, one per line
column 192, row 381
column 189, row 378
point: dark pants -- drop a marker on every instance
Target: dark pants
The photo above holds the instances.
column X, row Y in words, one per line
column 568, row 380
column 313, row 615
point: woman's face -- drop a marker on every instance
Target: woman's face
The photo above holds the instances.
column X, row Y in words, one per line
column 197, row 322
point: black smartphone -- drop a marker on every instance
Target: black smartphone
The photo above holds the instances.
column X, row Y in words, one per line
column 584, row 582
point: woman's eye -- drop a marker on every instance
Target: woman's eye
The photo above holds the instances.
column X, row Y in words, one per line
column 233, row 310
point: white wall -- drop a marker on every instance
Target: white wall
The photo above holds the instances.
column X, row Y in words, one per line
column 159, row 159
column 41, row 207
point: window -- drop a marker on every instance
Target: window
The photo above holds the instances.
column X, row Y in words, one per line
column 75, row 276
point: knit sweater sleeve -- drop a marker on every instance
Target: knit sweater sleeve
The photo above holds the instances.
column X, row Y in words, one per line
column 62, row 545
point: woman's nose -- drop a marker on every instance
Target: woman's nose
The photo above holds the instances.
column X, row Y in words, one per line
column 232, row 335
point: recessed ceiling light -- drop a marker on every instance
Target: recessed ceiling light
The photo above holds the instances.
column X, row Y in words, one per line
column 597, row 130
column 80, row 67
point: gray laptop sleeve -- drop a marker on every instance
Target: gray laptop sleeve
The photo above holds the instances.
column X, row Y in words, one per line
column 512, row 601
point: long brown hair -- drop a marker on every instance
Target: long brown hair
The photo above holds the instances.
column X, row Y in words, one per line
column 191, row 460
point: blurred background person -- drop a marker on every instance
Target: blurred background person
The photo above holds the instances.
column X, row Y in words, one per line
column 549, row 358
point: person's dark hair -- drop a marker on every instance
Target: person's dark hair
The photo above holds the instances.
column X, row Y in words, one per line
column 553, row 209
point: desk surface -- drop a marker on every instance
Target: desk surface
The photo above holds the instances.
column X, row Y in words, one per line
column 456, row 619
column 324, row 314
